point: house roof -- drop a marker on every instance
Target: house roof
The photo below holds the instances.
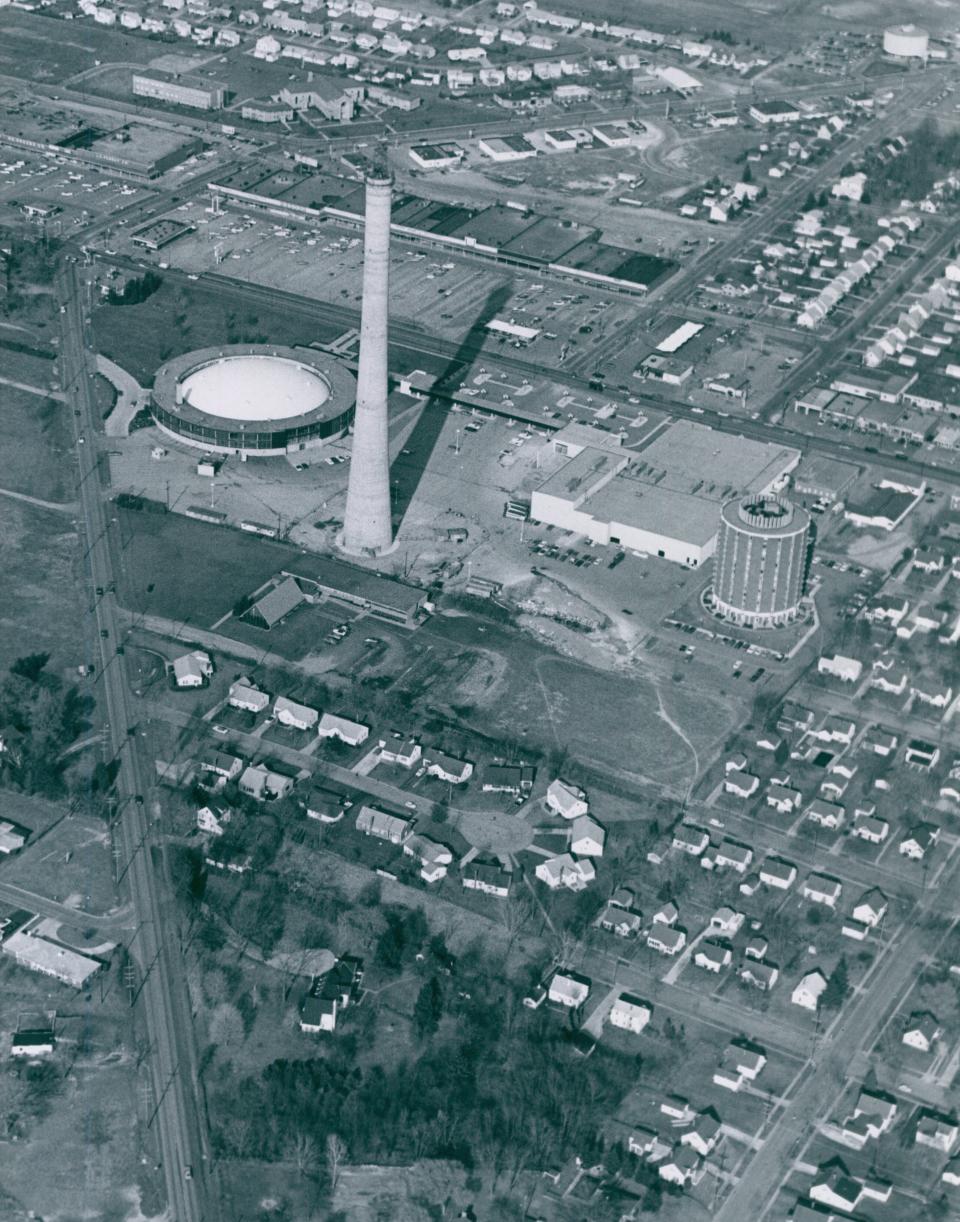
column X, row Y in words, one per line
column 379, row 823
column 923, row 1023
column 277, row 603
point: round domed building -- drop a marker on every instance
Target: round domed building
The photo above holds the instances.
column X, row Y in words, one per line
column 254, row 399
column 761, row 561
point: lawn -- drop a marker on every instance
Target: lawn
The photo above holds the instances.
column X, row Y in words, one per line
column 36, row 454
column 39, row 560
column 198, row 571
column 179, row 319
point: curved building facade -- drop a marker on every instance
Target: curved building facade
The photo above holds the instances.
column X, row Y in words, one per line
column 761, row 561
column 906, row 42
column 253, row 399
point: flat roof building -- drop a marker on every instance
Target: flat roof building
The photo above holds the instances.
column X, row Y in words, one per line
column 195, row 92
column 666, row 500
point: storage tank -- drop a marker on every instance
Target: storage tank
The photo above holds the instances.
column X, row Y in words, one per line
column 906, row 41
column 761, row 560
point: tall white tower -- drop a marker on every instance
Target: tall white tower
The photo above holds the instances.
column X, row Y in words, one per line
column 367, row 524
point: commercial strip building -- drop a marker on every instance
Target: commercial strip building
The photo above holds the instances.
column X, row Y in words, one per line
column 657, row 501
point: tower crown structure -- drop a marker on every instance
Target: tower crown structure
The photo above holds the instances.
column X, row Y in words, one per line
column 367, row 523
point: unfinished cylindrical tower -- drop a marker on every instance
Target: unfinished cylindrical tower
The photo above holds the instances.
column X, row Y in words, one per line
column 367, row 525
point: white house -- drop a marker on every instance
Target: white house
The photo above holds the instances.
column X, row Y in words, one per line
column 741, row 784
column 726, row 921
column 406, row 753
column 629, row 1013
column 778, row 873
column 566, row 800
column 263, row 784
column 296, row 716
column 712, row 956
column 586, row 837
column 847, row 670
column 565, row 871
column 922, row 1031
column 740, row 1062
column 434, row 857
column 568, row 990
column 809, row 990
column 820, row 889
column 353, row 733
column 213, row 819
column 246, row 697
column 666, row 939
column 394, row 828
column 192, row 669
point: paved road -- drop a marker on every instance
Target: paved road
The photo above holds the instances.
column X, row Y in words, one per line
column 177, row 1120
column 117, row 921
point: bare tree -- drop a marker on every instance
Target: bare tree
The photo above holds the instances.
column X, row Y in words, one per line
column 304, row 1152
column 336, row 1153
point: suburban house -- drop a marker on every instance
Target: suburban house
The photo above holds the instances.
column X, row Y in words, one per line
column 820, row 889
column 213, row 819
column 568, row 990
column 783, row 800
column 620, row 921
column 870, row 828
column 836, row 729
column 737, row 856
column 826, row 814
column 937, row 1131
column 353, row 733
column 741, row 1062
column 566, row 800
column 247, row 698
column 919, row 841
column 508, row 778
column 870, row 908
column 951, row 1172
column 192, row 669
column 775, row 872
column 762, row 976
column 704, row 1133
column 330, row 994
column 872, row 1116
column 393, row 828
column 629, row 1013
column 741, row 784
column 405, row 752
column 564, row 871
column 296, row 716
column 669, row 914
column 808, row 991
column 222, row 765
column 448, row 768
column 263, row 784
column 847, row 670
column 667, row 939
column 756, row 948
column 486, row 876
column 735, row 763
column 713, row 955
column 325, row 805
column 586, row 837
column 726, row 921
column 689, row 838
column 684, row 1166
column 922, row 1031
column 922, row 755
column 434, row 857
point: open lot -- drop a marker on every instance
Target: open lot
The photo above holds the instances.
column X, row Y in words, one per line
column 36, row 456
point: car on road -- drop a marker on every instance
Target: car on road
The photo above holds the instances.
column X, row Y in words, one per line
column 410, row 805
column 188, row 1172
column 104, row 634
column 99, row 591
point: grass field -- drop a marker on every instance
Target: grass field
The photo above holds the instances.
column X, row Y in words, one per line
column 198, row 571
column 43, row 603
column 35, row 453
column 41, row 49
column 176, row 320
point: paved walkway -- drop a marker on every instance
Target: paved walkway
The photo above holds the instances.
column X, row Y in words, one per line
column 56, row 506
column 131, row 397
